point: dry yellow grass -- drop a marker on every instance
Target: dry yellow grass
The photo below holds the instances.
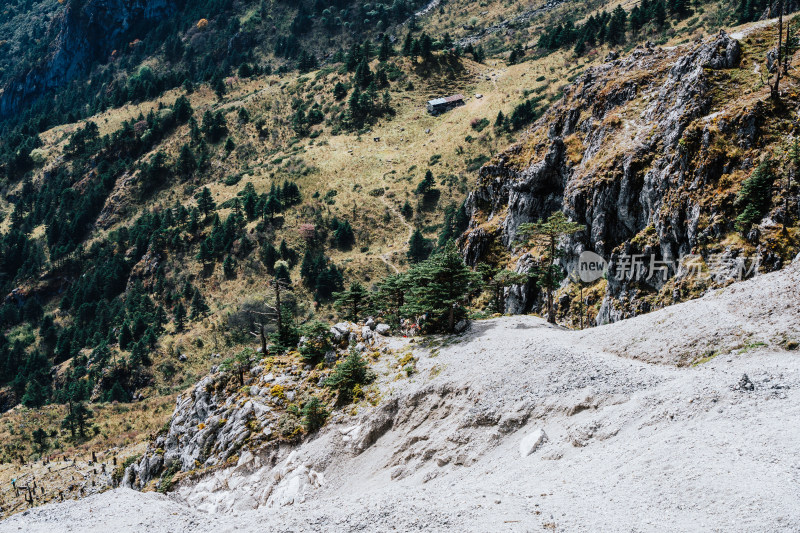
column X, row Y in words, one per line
column 116, row 432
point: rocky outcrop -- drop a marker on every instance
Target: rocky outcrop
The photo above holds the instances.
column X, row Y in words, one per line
column 87, row 31
column 222, row 419
column 635, row 152
column 211, row 425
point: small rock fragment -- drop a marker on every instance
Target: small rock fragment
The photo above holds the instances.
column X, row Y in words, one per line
column 531, row 442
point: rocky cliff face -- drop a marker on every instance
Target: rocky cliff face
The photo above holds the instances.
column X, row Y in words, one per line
column 87, row 31
column 647, row 152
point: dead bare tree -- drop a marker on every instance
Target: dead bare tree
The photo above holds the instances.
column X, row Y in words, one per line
column 775, row 90
column 270, row 314
column 788, row 54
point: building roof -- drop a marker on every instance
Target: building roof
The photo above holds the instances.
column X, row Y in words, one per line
column 446, row 100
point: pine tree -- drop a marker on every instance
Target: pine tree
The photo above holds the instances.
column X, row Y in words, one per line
column 314, row 414
column 499, row 121
column 353, row 57
column 307, row 62
column 636, row 20
column 214, row 125
column 426, row 47
column 290, row 194
column 193, row 223
column 516, row 54
column 195, row 134
column 182, row 109
column 269, row 255
column 205, row 202
column 407, row 211
column 249, row 201
column 419, row 248
column 543, row 237
column 125, row 337
column 299, row 123
column 617, row 26
column 229, row 267
column 218, row 85
column 455, row 223
column 755, row 196
column 679, row 8
column 82, row 415
column 287, row 254
column 496, row 280
column 272, row 207
column 352, row 302
column 339, row 90
column 318, row 341
column 408, row 44
column 40, row 440
column 659, row 13
column 206, row 252
column 355, row 112
column 391, row 295
column 180, row 317
column 35, row 395
column 199, row 306
column 117, row 393
column 229, row 145
column 287, row 335
column 282, row 272
column 363, row 76
column 77, row 417
column 427, row 184
column 343, row 235
column 386, row 50
column 187, row 163
column 478, row 54
column 347, row 374
column 441, row 286
column 140, row 354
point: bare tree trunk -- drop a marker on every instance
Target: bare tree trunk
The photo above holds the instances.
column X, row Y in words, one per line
column 775, row 92
column 789, row 177
column 263, row 341
column 788, row 54
column 551, row 315
column 451, row 319
column 278, row 305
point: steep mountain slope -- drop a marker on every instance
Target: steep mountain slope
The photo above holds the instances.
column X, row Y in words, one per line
column 650, row 152
column 520, row 426
column 206, row 149
column 85, row 32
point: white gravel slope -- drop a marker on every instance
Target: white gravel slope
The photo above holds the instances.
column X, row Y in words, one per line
column 634, row 444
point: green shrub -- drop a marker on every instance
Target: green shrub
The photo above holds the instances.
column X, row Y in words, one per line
column 318, row 341
column 755, row 196
column 479, row 125
column 474, row 164
column 314, row 415
column 349, row 373
column 166, row 480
